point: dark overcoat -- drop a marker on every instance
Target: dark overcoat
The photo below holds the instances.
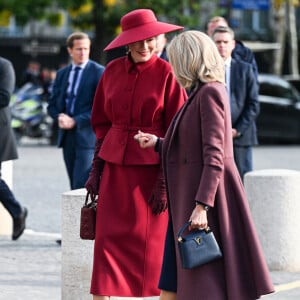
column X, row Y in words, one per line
column 244, row 104
column 197, row 155
column 8, row 148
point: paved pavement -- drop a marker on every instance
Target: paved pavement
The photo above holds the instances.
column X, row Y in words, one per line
column 30, row 267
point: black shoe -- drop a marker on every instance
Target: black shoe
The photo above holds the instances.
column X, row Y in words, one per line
column 58, row 242
column 19, row 224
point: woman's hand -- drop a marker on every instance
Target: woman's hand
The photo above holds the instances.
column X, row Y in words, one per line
column 199, row 217
column 146, row 140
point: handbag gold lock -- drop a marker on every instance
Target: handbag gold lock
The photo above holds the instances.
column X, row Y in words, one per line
column 198, row 240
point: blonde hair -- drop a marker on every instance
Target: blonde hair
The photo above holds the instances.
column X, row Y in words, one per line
column 215, row 22
column 194, row 56
column 217, row 19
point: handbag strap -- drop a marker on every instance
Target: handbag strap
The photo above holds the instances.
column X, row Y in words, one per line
column 93, row 199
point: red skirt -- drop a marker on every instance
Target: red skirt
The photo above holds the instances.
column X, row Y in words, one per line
column 129, row 239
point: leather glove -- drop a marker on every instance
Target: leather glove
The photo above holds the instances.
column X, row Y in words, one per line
column 158, row 198
column 92, row 184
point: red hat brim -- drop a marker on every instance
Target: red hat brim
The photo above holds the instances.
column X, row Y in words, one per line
column 141, row 32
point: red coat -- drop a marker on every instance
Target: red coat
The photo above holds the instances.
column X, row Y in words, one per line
column 199, row 165
column 129, row 238
column 129, row 97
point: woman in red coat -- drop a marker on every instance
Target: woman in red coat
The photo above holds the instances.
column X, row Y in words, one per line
column 203, row 183
column 135, row 91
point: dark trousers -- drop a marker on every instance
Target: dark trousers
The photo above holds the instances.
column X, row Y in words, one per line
column 243, row 159
column 8, row 199
column 78, row 161
column 168, row 276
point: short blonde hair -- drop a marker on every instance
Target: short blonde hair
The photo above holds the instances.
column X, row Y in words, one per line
column 215, row 22
column 217, row 19
column 194, row 56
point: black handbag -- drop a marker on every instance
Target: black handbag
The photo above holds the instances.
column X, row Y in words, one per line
column 197, row 248
column 88, row 218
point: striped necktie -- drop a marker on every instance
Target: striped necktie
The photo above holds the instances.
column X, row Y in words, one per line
column 71, row 98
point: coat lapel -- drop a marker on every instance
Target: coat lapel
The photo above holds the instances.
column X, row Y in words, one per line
column 233, row 78
column 178, row 116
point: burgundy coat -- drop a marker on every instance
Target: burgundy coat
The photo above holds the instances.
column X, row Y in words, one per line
column 198, row 161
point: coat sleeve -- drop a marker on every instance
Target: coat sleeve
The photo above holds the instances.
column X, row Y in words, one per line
column 7, row 82
column 212, row 114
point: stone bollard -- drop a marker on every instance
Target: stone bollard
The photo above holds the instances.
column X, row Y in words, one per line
column 5, row 218
column 77, row 254
column 274, row 199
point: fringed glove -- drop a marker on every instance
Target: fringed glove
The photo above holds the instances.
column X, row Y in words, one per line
column 158, row 198
column 92, row 184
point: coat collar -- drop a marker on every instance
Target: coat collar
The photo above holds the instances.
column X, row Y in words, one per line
column 176, row 120
column 139, row 67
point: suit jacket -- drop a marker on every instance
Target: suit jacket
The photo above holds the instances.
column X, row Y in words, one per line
column 243, row 53
column 8, row 149
column 92, row 72
column 243, row 102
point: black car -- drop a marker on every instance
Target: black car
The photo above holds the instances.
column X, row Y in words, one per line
column 294, row 80
column 279, row 118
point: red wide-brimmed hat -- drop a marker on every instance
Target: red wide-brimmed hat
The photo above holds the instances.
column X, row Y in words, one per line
column 139, row 25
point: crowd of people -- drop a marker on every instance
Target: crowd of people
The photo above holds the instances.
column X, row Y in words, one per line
column 171, row 123
column 39, row 76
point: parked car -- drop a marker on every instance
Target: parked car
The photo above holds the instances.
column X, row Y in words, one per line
column 294, row 80
column 279, row 118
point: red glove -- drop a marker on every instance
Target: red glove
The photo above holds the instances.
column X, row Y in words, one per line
column 92, row 184
column 158, row 198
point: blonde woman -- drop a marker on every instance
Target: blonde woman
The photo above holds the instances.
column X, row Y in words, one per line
column 204, row 185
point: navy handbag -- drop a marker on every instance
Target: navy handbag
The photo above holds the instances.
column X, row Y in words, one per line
column 197, row 248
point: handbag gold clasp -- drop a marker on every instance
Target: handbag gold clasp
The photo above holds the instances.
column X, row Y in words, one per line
column 198, row 240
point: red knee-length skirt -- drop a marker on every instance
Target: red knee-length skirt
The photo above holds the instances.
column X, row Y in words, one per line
column 129, row 239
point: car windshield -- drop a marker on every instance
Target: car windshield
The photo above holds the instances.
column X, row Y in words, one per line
column 275, row 87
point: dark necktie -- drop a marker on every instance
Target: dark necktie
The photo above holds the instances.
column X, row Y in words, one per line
column 71, row 98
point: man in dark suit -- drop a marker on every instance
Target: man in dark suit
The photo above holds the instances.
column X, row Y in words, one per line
column 8, row 149
column 70, row 104
column 240, row 51
column 242, row 88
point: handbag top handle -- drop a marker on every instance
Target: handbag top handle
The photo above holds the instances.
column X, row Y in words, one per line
column 93, row 199
column 184, row 227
